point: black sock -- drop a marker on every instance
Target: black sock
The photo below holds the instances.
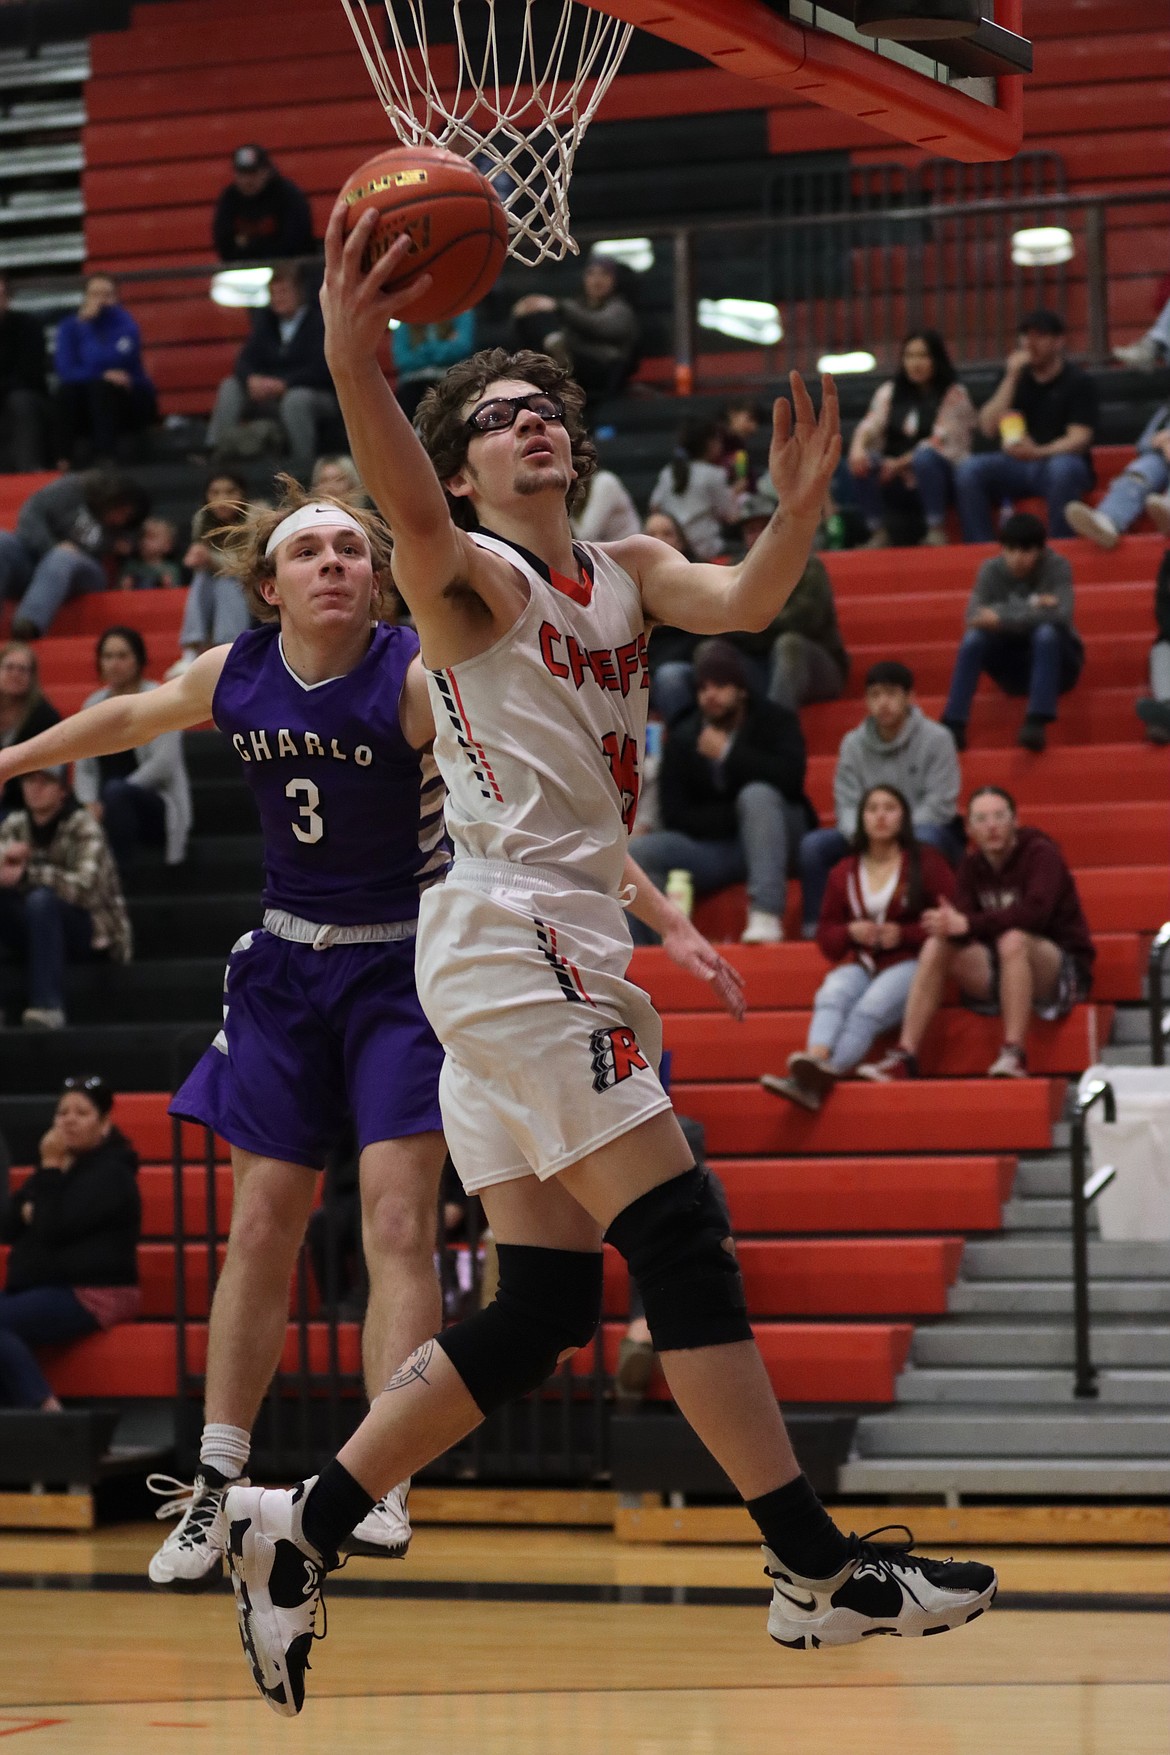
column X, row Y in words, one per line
column 799, row 1531
column 335, row 1506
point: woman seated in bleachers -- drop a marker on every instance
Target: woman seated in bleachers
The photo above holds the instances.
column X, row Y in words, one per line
column 73, row 1227
column 140, row 796
column 694, row 489
column 24, row 711
column 216, row 611
column 870, row 928
column 907, row 445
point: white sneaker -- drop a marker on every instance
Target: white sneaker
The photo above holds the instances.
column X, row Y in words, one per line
column 762, row 928
column 1158, row 512
column 1008, row 1064
column 35, row 1017
column 277, row 1578
column 1087, row 521
column 1141, row 356
column 385, row 1530
column 882, row 1589
column 191, row 1558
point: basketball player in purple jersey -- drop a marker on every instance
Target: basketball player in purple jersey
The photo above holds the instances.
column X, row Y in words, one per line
column 551, row 1103
column 327, row 710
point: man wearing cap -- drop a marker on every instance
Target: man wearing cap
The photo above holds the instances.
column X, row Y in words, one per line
column 260, row 216
column 1043, row 414
column 60, row 896
column 731, row 789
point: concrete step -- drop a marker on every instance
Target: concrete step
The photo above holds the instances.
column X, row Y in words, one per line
column 1126, row 1054
column 1028, row 1298
column 1041, row 1214
column 988, row 1344
column 1131, row 1023
column 1008, row 1477
column 1042, row 1177
column 964, row 1429
column 1021, row 1386
column 148, row 1056
column 1035, row 1259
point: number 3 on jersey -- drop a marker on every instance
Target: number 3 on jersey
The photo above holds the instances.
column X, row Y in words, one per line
column 314, row 824
column 623, row 765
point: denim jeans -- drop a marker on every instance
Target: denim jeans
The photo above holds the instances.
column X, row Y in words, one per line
column 770, row 828
column 853, row 1007
column 1042, row 662
column 984, row 482
column 46, row 931
column 822, row 848
column 1149, row 473
column 40, row 1317
column 1160, row 670
column 216, row 613
column 132, row 814
column 934, row 485
column 44, row 585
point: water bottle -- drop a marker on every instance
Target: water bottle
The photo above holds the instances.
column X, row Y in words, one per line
column 680, row 889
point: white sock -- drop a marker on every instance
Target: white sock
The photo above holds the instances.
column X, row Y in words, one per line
column 225, row 1448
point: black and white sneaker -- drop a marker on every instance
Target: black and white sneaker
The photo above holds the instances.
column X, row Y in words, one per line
column 884, row 1588
column 277, row 1577
column 385, row 1531
column 191, row 1558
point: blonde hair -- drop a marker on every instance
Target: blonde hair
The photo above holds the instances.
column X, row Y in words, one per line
column 242, row 545
column 34, row 697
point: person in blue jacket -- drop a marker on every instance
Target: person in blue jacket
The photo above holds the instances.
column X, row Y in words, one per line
column 104, row 394
column 422, row 353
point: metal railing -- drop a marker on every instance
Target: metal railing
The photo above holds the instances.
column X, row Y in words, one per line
column 317, row 1395
column 1083, row 1195
column 1155, row 991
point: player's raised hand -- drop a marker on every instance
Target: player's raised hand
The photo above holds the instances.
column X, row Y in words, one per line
column 356, row 306
column 685, row 945
column 806, row 448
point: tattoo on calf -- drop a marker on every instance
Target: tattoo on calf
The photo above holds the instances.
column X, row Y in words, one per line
column 414, row 1369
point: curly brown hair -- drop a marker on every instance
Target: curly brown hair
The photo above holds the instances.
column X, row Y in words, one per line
column 241, row 546
column 442, row 427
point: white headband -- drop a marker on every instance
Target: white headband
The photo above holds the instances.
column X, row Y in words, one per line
column 312, row 517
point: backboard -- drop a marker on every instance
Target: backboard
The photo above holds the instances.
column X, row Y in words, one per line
column 961, row 99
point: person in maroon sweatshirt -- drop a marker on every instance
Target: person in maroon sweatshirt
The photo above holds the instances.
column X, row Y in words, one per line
column 1015, row 939
column 871, row 928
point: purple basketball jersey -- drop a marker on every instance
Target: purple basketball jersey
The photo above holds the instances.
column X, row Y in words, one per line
column 352, row 816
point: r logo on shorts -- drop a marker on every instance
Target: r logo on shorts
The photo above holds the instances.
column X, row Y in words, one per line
column 616, row 1056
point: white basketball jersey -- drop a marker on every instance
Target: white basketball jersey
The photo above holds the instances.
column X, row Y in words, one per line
column 540, row 738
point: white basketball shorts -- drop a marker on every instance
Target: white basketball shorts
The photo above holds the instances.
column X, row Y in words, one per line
column 550, row 1051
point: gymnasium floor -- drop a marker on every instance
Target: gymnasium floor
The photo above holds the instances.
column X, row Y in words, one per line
column 555, row 1642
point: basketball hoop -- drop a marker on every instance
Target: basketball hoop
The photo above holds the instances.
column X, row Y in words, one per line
column 518, row 113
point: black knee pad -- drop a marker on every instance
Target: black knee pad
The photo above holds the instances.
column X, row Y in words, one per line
column 548, row 1300
column 673, row 1239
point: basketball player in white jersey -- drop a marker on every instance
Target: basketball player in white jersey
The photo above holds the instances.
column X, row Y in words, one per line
column 551, row 1102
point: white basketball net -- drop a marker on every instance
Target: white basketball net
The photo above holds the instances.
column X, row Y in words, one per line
column 522, row 123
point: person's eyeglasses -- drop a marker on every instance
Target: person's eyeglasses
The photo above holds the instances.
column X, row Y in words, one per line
column 500, row 412
column 91, row 1083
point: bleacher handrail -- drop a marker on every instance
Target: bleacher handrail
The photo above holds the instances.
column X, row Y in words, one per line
column 1155, row 971
column 1083, row 1195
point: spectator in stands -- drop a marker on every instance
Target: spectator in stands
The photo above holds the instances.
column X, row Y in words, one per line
column 693, row 487
column 260, row 216
column 1020, row 631
column 607, row 512
column 422, row 353
column 280, row 374
column 595, row 336
column 1152, row 349
column 1043, row 414
column 739, row 423
column 906, row 448
column 1154, row 710
column 63, row 534
column 670, row 646
column 1015, row 939
column 1141, row 485
column 24, row 396
column 871, row 928
column 153, row 565
column 217, row 609
column 731, row 789
column 337, row 475
column 73, row 1227
column 799, row 657
column 24, row 711
column 895, row 746
column 104, row 395
column 60, row 898
column 140, row 796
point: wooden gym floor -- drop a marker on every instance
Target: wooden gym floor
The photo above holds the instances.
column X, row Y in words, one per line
column 567, row 1642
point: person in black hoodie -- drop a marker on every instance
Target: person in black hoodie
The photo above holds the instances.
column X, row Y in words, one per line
column 260, row 216
column 1154, row 709
column 731, row 790
column 73, row 1229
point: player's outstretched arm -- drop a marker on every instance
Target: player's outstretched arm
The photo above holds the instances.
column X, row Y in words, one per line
column 428, row 549
column 683, row 943
column 706, row 599
column 123, row 722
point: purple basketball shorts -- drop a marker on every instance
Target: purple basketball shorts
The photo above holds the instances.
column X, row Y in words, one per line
column 309, row 1039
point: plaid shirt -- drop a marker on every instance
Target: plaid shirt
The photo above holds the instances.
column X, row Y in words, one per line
column 78, row 866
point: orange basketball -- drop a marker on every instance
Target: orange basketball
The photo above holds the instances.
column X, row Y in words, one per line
column 452, row 215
